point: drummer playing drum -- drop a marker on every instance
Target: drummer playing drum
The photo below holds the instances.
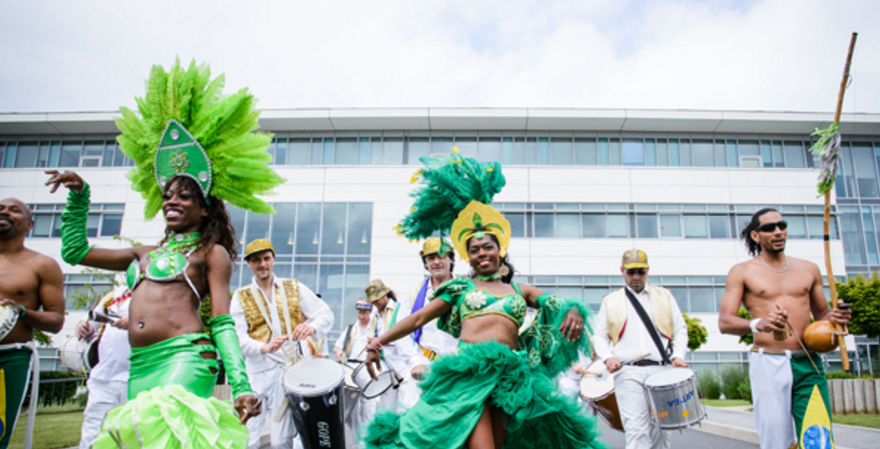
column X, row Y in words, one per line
column 350, row 347
column 624, row 341
column 268, row 314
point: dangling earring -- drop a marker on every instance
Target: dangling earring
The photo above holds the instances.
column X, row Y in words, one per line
column 504, row 271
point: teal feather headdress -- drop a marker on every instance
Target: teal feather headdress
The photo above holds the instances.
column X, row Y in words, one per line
column 188, row 128
column 449, row 185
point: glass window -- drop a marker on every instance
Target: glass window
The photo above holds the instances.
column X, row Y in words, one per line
column 283, row 223
column 797, row 226
column 333, row 228
column 561, row 151
column 507, row 150
column 650, row 152
column 585, row 151
column 376, row 151
column 392, row 151
column 308, row 219
column 593, row 226
column 718, row 227
column 685, row 150
column 703, row 153
column 674, row 153
column 614, row 152
column 257, row 227
column 816, row 226
column 568, row 226
column 307, row 274
column 702, row 299
column 544, row 226
column 8, row 155
column 27, row 155
column 594, row 296
column 356, row 277
column 330, row 283
column 681, row 297
column 419, row 147
column 670, row 225
column 327, row 151
column 778, row 155
column 108, row 154
column 298, row 152
column 853, row 237
column 732, row 155
column 617, row 225
column 695, row 227
column 767, row 153
column 646, row 225
column 281, row 151
column 749, row 148
column 55, row 150
column 110, row 225
column 93, row 148
column 92, row 224
column 42, row 225
column 603, row 152
column 870, row 236
column 364, row 150
column 519, row 150
column 441, row 145
column 633, row 152
column 490, row 149
column 236, row 218
column 543, row 150
column 56, row 228
column 467, row 146
column 848, row 171
column 517, row 224
column 866, row 172
column 794, row 155
column 662, row 153
column 360, row 228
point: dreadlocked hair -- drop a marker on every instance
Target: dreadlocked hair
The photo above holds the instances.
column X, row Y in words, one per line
column 505, row 261
column 216, row 228
column 752, row 246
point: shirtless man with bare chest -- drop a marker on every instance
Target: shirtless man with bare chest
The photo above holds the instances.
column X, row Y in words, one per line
column 31, row 288
column 787, row 383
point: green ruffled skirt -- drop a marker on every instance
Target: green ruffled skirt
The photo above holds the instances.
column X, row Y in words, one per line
column 172, row 405
column 456, row 391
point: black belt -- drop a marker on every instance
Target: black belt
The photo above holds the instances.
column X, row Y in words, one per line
column 646, row 363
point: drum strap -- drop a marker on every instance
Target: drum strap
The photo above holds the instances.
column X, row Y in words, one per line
column 345, row 342
column 649, row 325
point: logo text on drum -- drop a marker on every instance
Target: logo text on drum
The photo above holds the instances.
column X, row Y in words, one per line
column 681, row 400
column 324, row 433
column 307, row 385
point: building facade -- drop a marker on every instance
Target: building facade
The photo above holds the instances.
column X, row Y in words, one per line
column 582, row 186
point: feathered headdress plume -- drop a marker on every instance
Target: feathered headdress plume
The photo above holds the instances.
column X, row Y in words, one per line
column 449, row 184
column 188, row 128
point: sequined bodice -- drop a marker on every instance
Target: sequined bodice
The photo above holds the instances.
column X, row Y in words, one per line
column 479, row 302
column 167, row 264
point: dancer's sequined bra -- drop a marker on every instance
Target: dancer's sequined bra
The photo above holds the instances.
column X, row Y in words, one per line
column 166, row 265
column 479, row 302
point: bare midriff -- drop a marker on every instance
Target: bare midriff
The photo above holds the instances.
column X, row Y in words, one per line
column 490, row 327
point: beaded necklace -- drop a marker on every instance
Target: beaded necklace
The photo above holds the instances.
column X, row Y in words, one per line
column 488, row 278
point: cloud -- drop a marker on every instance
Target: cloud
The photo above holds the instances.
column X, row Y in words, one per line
column 755, row 55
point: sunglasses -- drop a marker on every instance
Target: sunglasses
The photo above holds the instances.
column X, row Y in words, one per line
column 639, row 271
column 770, row 227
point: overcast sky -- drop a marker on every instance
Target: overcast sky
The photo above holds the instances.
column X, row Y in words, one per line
column 719, row 55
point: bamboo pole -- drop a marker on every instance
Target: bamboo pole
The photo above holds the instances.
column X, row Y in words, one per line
column 844, row 355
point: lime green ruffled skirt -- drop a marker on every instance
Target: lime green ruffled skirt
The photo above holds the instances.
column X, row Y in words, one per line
column 456, row 390
column 172, row 405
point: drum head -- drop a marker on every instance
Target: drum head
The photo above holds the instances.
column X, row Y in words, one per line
column 372, row 388
column 669, row 377
column 8, row 317
column 313, row 377
column 349, row 374
column 593, row 386
column 71, row 354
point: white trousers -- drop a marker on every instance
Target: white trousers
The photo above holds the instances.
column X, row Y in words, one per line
column 772, row 381
column 362, row 415
column 268, row 387
column 103, row 395
column 640, row 430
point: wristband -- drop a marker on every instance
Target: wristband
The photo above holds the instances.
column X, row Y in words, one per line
column 754, row 325
column 23, row 311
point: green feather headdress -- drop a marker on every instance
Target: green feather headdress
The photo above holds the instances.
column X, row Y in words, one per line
column 449, row 185
column 188, row 128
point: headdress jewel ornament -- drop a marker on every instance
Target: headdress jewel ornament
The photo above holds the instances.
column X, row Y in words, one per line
column 187, row 128
column 450, row 185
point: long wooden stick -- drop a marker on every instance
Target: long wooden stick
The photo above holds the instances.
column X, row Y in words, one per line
column 844, row 355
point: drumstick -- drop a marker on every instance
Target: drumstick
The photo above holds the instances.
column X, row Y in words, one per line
column 799, row 342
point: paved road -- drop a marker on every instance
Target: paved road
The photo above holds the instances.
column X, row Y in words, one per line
column 687, row 439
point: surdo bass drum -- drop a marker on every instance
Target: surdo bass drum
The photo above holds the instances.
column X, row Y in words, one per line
column 315, row 389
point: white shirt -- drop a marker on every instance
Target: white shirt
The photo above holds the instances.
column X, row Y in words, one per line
column 358, row 342
column 636, row 341
column 114, row 348
column 432, row 337
column 398, row 354
column 315, row 310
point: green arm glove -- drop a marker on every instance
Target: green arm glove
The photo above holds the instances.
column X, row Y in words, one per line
column 74, row 239
column 226, row 341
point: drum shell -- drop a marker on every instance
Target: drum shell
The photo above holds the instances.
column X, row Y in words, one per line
column 677, row 405
column 603, row 399
column 373, row 388
column 319, row 419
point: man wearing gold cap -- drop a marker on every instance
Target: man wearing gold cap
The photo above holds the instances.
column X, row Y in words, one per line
column 387, row 311
column 622, row 339
column 438, row 259
column 272, row 316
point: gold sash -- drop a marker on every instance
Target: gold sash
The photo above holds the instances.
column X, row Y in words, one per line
column 661, row 311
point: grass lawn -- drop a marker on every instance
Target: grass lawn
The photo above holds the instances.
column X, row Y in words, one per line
column 725, row 402
column 857, row 420
column 51, row 430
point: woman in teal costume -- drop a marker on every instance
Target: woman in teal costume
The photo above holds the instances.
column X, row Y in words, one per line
column 192, row 149
column 496, row 390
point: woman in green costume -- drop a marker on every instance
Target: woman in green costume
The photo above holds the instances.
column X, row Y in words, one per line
column 191, row 148
column 496, row 389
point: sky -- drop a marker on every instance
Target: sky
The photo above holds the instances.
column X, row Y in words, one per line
column 771, row 55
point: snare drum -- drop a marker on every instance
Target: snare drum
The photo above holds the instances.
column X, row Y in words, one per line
column 597, row 388
column 673, row 399
column 352, row 392
column 80, row 355
column 386, row 378
column 315, row 390
column 8, row 318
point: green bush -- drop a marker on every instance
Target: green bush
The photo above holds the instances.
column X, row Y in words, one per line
column 846, row 375
column 745, row 390
column 710, row 386
column 731, row 377
column 81, row 399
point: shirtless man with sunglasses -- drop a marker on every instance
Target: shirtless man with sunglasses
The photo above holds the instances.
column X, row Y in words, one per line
column 776, row 288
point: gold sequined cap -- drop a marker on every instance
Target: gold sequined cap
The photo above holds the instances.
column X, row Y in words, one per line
column 257, row 246
column 635, row 258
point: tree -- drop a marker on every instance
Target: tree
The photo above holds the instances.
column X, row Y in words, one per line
column 697, row 334
column 863, row 295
